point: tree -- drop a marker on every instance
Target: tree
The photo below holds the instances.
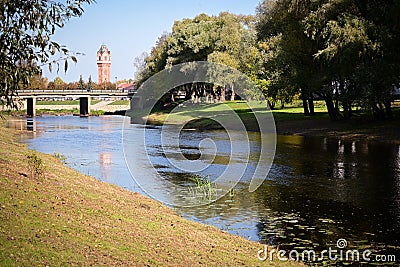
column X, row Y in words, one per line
column 51, row 86
column 59, row 84
column 289, row 62
column 140, row 65
column 106, row 86
column 224, row 39
column 344, row 51
column 90, row 84
column 81, row 83
column 38, row 82
column 153, row 63
column 26, row 28
column 358, row 48
column 72, row 86
column 227, row 78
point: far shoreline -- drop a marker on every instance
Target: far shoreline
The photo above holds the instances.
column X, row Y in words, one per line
column 355, row 129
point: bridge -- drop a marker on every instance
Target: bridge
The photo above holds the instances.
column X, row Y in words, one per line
column 83, row 95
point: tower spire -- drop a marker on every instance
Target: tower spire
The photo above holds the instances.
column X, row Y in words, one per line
column 103, row 64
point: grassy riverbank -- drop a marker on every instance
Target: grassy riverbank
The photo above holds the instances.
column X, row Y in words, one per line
column 62, row 217
column 289, row 121
column 121, row 103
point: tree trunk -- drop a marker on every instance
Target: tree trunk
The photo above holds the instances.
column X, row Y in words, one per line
column 223, row 94
column 311, row 105
column 380, row 112
column 350, row 110
column 305, row 107
column 271, row 104
column 233, row 93
column 332, row 111
column 345, row 99
column 188, row 94
column 337, row 100
column 346, row 109
column 388, row 109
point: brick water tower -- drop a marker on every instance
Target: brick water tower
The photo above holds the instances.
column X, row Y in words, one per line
column 103, row 64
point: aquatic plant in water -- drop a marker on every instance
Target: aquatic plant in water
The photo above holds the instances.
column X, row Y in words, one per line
column 204, row 189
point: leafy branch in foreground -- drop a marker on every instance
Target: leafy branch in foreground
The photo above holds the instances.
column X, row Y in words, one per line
column 26, row 28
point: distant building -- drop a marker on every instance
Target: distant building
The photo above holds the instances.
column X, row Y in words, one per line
column 103, row 64
column 126, row 87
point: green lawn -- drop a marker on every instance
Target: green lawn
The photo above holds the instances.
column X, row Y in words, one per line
column 62, row 102
column 289, row 120
column 57, row 103
column 73, row 111
column 296, row 112
column 198, row 114
column 120, row 102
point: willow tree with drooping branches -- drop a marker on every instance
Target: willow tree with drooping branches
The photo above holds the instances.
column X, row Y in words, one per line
column 26, row 44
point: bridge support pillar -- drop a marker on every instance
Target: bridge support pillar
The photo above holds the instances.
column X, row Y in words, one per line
column 31, row 106
column 84, row 106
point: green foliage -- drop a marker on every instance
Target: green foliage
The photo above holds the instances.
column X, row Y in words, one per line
column 204, row 188
column 35, row 165
column 226, row 39
column 57, row 84
column 57, row 103
column 74, row 111
column 341, row 51
column 38, row 83
column 105, row 86
column 58, row 81
column 26, row 30
column 223, row 58
column 195, row 39
column 81, row 84
column 345, row 52
column 97, row 112
column 90, row 83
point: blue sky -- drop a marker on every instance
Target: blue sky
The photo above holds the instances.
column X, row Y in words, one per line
column 128, row 28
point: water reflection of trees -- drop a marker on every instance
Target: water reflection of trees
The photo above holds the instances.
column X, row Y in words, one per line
column 337, row 189
column 318, row 191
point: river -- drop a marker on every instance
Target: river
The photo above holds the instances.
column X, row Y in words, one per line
column 319, row 190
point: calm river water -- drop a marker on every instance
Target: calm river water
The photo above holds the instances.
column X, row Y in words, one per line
column 318, row 191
